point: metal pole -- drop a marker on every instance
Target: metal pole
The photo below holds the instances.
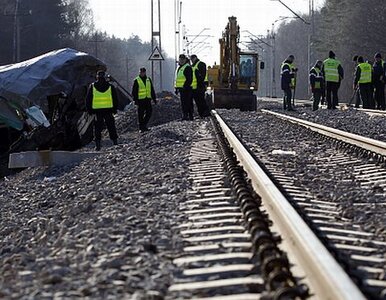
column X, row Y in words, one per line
column 273, row 68
column 270, row 66
column 175, row 31
column 96, row 44
column 16, row 34
column 273, row 94
column 127, row 70
column 160, row 47
column 179, row 28
column 152, row 39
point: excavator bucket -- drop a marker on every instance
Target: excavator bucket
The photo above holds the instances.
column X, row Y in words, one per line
column 244, row 100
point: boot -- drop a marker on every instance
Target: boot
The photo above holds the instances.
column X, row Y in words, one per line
column 97, row 145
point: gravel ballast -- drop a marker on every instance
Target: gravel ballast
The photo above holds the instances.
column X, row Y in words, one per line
column 105, row 228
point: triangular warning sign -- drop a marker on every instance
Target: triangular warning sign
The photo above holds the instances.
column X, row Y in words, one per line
column 156, row 55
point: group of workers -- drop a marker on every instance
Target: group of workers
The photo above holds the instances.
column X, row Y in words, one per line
column 190, row 82
column 325, row 78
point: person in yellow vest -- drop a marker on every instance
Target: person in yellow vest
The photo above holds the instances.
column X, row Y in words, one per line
column 102, row 101
column 316, row 83
column 333, row 75
column 287, row 76
column 183, row 86
column 363, row 79
column 143, row 93
column 199, row 84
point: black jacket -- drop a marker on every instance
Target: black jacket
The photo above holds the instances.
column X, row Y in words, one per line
column 379, row 69
column 286, row 76
column 135, row 89
column 315, row 77
column 101, row 86
column 188, row 72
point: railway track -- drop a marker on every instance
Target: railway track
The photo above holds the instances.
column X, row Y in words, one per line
column 358, row 249
column 220, row 260
column 230, row 252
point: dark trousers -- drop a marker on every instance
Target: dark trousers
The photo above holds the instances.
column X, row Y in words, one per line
column 287, row 98
column 358, row 98
column 332, row 88
column 317, row 94
column 379, row 95
column 105, row 118
column 202, row 107
column 144, row 112
column 186, row 104
column 366, row 92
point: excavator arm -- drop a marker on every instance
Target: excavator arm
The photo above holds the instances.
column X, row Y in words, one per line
column 236, row 78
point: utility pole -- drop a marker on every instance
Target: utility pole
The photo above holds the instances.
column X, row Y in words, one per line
column 16, row 34
column 156, row 34
column 96, row 41
column 309, row 38
column 177, row 27
column 16, row 30
column 273, row 61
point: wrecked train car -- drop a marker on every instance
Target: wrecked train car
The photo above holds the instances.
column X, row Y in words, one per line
column 42, row 101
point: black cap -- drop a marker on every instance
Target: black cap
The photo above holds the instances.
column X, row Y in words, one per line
column 193, row 56
column 355, row 58
column 377, row 55
column 182, row 56
column 360, row 59
column 291, row 57
column 331, row 54
column 142, row 69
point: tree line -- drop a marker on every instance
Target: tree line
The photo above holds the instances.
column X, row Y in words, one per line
column 344, row 26
column 31, row 28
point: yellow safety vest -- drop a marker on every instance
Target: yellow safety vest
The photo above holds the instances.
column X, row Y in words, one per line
column 331, row 69
column 144, row 91
column 194, row 81
column 366, row 71
column 102, row 100
column 180, row 78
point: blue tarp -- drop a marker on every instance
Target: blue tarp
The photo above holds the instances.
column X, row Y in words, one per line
column 30, row 82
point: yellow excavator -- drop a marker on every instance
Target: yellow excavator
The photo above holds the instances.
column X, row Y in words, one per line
column 232, row 83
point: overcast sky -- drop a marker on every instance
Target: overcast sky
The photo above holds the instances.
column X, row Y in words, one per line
column 125, row 18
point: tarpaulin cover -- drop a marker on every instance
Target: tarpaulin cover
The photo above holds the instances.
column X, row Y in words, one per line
column 8, row 115
column 30, row 82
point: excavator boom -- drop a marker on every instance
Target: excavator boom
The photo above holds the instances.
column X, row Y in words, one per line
column 235, row 80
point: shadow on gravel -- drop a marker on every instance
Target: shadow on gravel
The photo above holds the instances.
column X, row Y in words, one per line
column 166, row 110
column 51, row 173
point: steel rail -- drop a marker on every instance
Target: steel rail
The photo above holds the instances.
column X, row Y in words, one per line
column 372, row 111
column 327, row 278
column 351, row 138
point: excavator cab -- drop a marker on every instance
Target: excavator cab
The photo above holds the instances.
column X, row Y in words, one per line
column 232, row 83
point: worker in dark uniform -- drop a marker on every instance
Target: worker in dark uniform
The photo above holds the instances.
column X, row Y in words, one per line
column 363, row 79
column 316, row 83
column 287, row 81
column 102, row 101
column 379, row 69
column 333, row 75
column 183, row 86
column 143, row 93
column 199, row 84
column 356, row 91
